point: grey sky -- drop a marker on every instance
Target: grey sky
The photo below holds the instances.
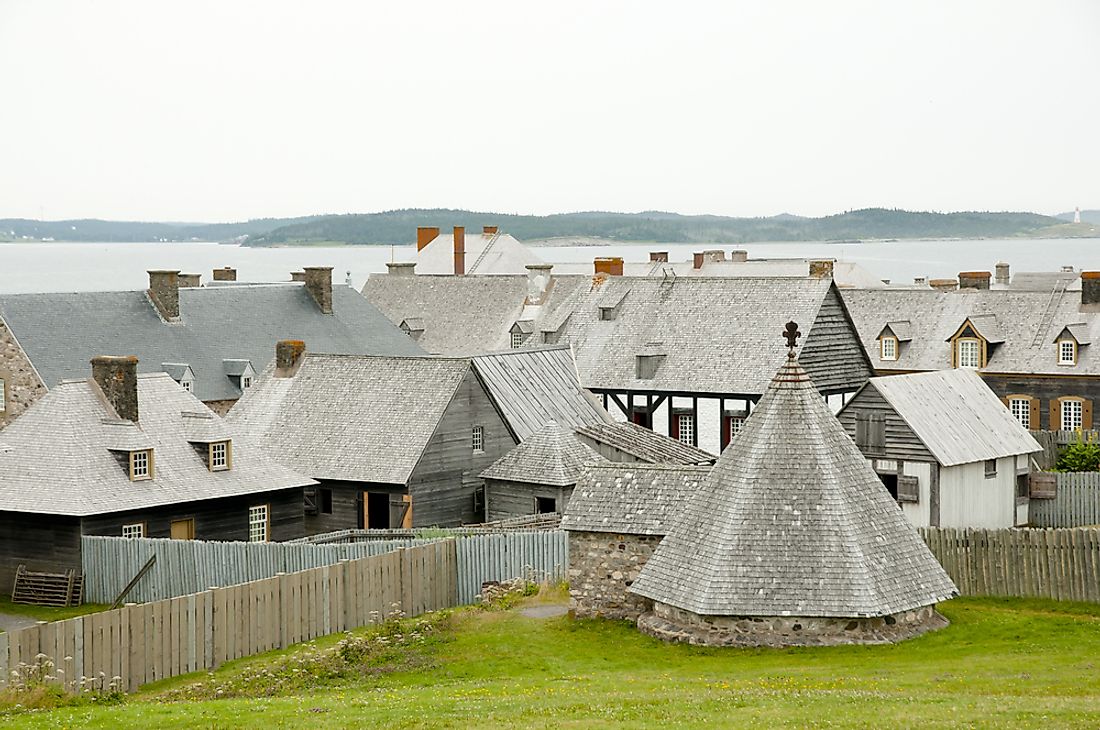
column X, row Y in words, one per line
column 228, row 110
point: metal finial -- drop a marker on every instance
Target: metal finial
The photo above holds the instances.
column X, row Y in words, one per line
column 791, row 333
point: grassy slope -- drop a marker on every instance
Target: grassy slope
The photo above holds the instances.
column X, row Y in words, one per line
column 1001, row 663
column 47, row 613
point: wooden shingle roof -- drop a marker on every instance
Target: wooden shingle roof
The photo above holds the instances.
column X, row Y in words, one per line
column 552, row 456
column 632, row 499
column 644, row 444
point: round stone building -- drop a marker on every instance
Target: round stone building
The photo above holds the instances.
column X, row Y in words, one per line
column 792, row 540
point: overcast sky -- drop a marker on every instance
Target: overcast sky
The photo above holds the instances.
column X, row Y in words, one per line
column 221, row 110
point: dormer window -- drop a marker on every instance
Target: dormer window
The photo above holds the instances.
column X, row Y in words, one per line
column 1067, row 352
column 968, row 352
column 517, row 340
column 188, row 385
column 220, row 455
column 888, row 348
column 246, row 382
column 141, row 465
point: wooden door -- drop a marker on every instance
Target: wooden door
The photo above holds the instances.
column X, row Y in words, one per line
column 183, row 529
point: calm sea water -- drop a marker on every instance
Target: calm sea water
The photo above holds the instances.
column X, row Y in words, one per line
column 42, row 267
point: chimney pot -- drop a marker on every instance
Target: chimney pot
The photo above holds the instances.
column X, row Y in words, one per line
column 401, row 268
column 823, row 269
column 659, row 256
column 164, row 290
column 425, row 235
column 943, row 284
column 739, row 256
column 697, row 260
column 460, row 250
column 489, row 230
column 117, row 378
column 1003, row 276
column 1090, row 287
column 288, row 356
column 297, row 276
column 974, row 279
column 190, row 281
column 610, row 265
column 226, row 273
column 319, row 286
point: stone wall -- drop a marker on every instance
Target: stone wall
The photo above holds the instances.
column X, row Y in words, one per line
column 221, row 407
column 675, row 624
column 602, row 565
column 22, row 385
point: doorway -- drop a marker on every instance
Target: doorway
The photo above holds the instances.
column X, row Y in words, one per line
column 376, row 510
column 890, row 481
column 183, row 529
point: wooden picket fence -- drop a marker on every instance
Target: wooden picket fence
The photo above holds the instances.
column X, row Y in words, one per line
column 1062, row 564
column 1053, row 441
column 1076, row 502
column 142, row 643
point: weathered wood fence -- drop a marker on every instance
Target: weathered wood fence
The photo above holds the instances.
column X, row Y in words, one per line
column 1053, row 441
column 1029, row 563
column 147, row 642
column 1076, row 502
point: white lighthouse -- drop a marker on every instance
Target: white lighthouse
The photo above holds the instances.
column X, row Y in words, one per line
column 1077, row 214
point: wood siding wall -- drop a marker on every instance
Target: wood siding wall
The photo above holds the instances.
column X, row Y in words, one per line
column 506, row 499
column 833, row 354
column 901, row 442
column 1045, row 389
column 47, row 543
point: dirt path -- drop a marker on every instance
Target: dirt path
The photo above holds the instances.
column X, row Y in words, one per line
column 10, row 622
column 547, row 610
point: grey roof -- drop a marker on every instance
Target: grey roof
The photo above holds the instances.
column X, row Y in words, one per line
column 792, row 521
column 901, row 329
column 552, row 456
column 175, row 370
column 988, row 326
column 1078, row 331
column 1024, row 323
column 534, row 387
column 58, row 457
column 632, row 499
column 62, row 332
column 236, row 367
column 645, row 445
column 497, row 253
column 955, row 415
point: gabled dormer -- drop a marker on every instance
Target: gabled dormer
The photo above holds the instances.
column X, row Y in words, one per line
column 240, row 373
column 520, row 332
column 974, row 341
column 413, row 327
column 182, row 373
column 610, row 304
column 1069, row 342
column 891, row 339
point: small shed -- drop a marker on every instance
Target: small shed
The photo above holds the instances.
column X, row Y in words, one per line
column 538, row 476
column 948, row 450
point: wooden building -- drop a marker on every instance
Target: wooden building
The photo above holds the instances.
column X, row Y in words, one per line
column 623, row 441
column 134, row 456
column 946, row 448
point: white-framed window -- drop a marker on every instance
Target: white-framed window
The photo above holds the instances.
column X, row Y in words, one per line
column 888, row 348
column 141, row 465
column 736, row 424
column 517, row 340
column 685, row 428
column 188, row 385
column 1021, row 410
column 136, row 529
column 1072, row 415
column 219, row 456
column 968, row 353
column 477, row 439
column 258, row 523
column 246, row 381
column 1067, row 352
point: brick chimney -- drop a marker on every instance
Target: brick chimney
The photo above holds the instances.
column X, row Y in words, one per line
column 425, row 235
column 1090, row 287
column 822, row 269
column 226, row 273
column 460, row 250
column 117, row 378
column 190, row 281
column 697, row 259
column 974, row 279
column 288, row 356
column 164, row 291
column 943, row 284
column 739, row 256
column 401, row 268
column 297, row 276
column 319, row 286
column 489, row 230
column 659, row 256
column 1002, row 270
column 610, row 265
column 538, row 282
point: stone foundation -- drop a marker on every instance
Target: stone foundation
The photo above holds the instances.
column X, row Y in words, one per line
column 674, row 624
column 602, row 565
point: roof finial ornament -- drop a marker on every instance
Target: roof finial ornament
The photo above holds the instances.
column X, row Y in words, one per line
column 792, row 334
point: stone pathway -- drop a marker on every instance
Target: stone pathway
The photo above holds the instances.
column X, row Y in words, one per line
column 10, row 622
column 549, row 610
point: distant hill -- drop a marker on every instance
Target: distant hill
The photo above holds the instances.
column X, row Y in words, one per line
column 133, row 231
column 399, row 226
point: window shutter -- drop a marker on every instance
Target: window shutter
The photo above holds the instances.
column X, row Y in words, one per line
column 1055, row 414
column 877, row 427
column 674, row 425
column 727, row 430
column 1086, row 415
column 1033, row 420
column 1043, row 485
column 862, row 430
column 908, row 489
column 1004, row 399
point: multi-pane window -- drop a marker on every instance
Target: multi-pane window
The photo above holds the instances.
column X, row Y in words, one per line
column 1021, row 410
column 968, row 353
column 1072, row 415
column 477, row 438
column 517, row 340
column 258, row 523
column 685, row 431
column 188, row 385
column 736, row 424
column 889, row 348
column 137, row 529
column 219, row 456
column 246, row 381
column 141, row 466
column 1067, row 352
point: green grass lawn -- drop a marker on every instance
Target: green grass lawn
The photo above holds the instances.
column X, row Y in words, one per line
column 47, row 613
column 1000, row 664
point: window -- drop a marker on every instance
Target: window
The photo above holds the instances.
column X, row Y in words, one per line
column 188, row 386
column 1067, row 352
column 136, row 529
column 246, row 381
column 685, row 431
column 1021, row 410
column 517, row 340
column 258, row 523
column 1072, row 415
column 3, row 395
column 545, row 505
column 141, row 465
column 477, row 439
column 968, row 353
column 220, row 456
column 990, row 468
column 888, row 348
column 324, row 500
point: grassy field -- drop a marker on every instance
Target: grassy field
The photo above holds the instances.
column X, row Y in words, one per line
column 1000, row 664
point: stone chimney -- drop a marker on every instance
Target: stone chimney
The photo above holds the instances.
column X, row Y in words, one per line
column 1090, row 287
column 425, row 235
column 401, row 268
column 974, row 279
column 460, row 250
column 697, row 259
column 319, row 286
column 190, row 281
column 297, row 276
column 117, row 378
column 226, row 273
column 489, row 230
column 738, row 256
column 538, row 283
column 943, row 284
column 610, row 265
column 288, row 356
column 822, row 269
column 1002, row 276
column 164, row 291
column 659, row 256
column 714, row 254
column 920, row 280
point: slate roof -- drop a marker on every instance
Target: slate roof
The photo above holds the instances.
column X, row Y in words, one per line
column 792, row 521
column 495, row 254
column 632, row 499
column 57, row 457
column 644, row 444
column 955, row 415
column 552, row 456
column 62, row 332
column 1014, row 316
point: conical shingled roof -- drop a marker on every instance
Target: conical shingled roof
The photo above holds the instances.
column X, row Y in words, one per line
column 552, row 456
column 792, row 521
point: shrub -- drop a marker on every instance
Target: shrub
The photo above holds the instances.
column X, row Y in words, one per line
column 1079, row 456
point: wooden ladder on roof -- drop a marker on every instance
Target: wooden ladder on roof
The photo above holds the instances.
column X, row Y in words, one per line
column 483, row 254
column 1048, row 313
column 48, row 589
